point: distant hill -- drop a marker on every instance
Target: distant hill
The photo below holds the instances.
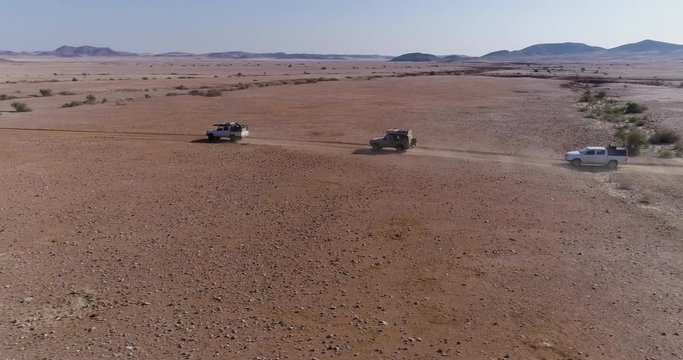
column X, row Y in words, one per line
column 557, row 49
column 647, row 46
column 286, row 56
column 175, row 54
column 417, row 57
column 77, row 51
column 422, row 57
column 645, row 49
column 456, row 58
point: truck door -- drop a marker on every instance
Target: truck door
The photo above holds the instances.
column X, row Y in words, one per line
column 600, row 156
column 589, row 157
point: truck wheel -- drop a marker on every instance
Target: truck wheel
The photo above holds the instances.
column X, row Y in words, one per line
column 400, row 148
column 232, row 138
column 376, row 147
column 576, row 162
column 212, row 138
column 612, row 164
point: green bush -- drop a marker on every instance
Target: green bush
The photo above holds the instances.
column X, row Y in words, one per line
column 633, row 139
column 634, row 108
column 20, row 106
column 678, row 149
column 45, row 92
column 666, row 153
column 90, row 99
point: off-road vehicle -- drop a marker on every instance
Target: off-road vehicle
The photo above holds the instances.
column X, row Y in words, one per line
column 400, row 139
column 232, row 130
column 611, row 156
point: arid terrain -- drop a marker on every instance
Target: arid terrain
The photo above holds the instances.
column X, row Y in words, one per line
column 124, row 233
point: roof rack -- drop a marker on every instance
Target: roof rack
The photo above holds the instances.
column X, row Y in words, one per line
column 232, row 123
column 397, row 130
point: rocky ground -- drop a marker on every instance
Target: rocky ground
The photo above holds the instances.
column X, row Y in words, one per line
column 130, row 236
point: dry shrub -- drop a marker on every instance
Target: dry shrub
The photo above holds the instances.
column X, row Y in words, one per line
column 20, row 106
column 664, row 136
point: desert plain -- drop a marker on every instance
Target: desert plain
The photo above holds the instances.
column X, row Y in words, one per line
column 125, row 233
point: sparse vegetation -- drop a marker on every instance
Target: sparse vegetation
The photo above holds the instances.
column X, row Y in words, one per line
column 664, row 136
column 90, row 100
column 73, row 103
column 666, row 153
column 678, row 149
column 20, row 106
column 208, row 93
column 634, row 108
column 599, row 106
column 633, row 139
column 181, row 87
column 66, row 93
column 45, row 92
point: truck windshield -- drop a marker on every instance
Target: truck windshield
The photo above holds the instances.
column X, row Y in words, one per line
column 583, row 151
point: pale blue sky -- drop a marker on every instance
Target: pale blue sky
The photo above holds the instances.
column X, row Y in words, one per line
column 388, row 27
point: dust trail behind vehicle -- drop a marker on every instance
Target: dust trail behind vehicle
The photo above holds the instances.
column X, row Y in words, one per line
column 350, row 147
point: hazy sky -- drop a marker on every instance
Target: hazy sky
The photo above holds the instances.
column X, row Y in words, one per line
column 388, row 27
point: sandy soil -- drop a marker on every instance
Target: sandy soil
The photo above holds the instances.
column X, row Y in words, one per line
column 127, row 234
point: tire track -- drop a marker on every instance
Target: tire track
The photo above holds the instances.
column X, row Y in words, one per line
column 355, row 148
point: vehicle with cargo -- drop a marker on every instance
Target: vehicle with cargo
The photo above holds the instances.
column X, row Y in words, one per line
column 231, row 130
column 610, row 156
column 399, row 139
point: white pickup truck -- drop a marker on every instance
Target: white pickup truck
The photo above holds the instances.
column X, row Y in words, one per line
column 232, row 130
column 611, row 156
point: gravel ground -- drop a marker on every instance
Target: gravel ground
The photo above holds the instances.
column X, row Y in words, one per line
column 300, row 243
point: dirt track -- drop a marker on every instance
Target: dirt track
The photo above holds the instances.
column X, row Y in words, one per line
column 359, row 149
column 127, row 234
